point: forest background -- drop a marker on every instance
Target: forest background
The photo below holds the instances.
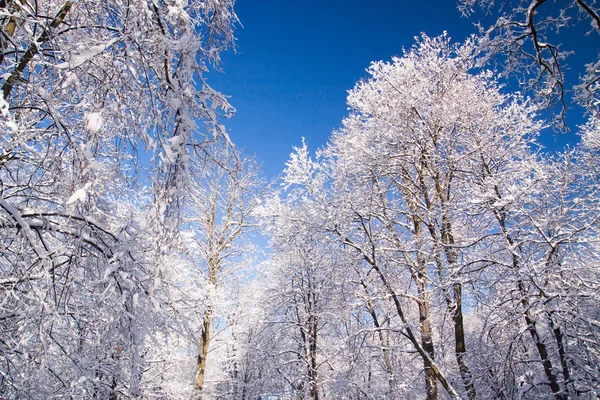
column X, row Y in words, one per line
column 442, row 242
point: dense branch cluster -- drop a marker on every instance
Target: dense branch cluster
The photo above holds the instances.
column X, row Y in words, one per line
column 529, row 41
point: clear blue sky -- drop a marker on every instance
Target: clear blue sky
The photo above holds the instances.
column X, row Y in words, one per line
column 295, row 61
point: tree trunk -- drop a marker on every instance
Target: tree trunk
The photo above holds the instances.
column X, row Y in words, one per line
column 543, row 352
column 313, row 326
column 202, row 352
column 559, row 337
column 424, row 319
column 426, row 338
column 460, row 348
column 313, row 387
column 455, row 307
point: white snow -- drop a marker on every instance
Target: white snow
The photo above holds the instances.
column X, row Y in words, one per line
column 91, row 52
column 12, row 125
column 93, row 121
column 79, row 195
column 70, row 80
column 3, row 107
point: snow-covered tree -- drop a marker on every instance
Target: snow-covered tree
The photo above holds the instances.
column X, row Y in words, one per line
column 222, row 197
column 98, row 100
column 434, row 186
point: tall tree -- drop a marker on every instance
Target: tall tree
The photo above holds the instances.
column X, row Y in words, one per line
column 303, row 266
column 223, row 194
column 411, row 130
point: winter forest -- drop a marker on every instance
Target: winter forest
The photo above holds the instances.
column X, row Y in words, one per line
column 432, row 249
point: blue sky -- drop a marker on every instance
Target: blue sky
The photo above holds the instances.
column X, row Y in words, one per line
column 295, row 61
